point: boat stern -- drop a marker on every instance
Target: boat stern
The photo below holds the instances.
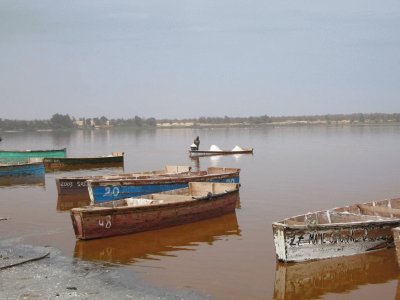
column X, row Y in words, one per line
column 279, row 241
column 77, row 224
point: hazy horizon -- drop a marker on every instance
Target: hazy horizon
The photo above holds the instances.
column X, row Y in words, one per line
column 191, row 59
column 187, row 118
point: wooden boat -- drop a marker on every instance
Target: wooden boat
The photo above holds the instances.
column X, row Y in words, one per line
column 77, row 185
column 128, row 249
column 114, row 189
column 215, row 150
column 24, row 168
column 396, row 236
column 200, row 200
column 342, row 231
column 15, row 155
column 73, row 163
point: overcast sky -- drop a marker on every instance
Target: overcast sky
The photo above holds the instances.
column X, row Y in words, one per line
column 193, row 58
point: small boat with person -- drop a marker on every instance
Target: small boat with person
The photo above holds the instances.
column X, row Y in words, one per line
column 342, row 231
column 73, row 163
column 198, row 201
column 102, row 190
column 215, row 150
column 77, row 185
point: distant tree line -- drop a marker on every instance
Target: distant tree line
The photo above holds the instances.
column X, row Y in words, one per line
column 65, row 122
column 265, row 119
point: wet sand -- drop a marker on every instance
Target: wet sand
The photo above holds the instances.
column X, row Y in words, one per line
column 34, row 272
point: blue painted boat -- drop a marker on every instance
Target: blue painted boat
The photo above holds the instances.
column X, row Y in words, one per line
column 113, row 189
column 18, row 169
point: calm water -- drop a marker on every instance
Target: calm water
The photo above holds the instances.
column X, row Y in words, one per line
column 293, row 171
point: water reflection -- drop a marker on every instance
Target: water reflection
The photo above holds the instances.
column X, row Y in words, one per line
column 338, row 275
column 67, row 202
column 196, row 162
column 128, row 249
column 23, row 180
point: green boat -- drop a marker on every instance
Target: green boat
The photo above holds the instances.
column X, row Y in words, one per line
column 24, row 155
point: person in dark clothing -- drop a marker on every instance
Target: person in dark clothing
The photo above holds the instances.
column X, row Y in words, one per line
column 197, row 142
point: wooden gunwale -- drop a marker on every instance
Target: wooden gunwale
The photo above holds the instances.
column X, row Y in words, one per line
column 161, row 179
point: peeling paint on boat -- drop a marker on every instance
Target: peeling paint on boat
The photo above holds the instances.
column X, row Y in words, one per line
column 338, row 232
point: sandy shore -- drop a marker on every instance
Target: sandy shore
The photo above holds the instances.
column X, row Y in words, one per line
column 31, row 272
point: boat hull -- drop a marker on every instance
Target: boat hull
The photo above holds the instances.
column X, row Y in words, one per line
column 344, row 231
column 130, row 248
column 72, row 163
column 110, row 190
column 92, row 223
column 297, row 245
column 222, row 152
column 10, row 155
column 396, row 236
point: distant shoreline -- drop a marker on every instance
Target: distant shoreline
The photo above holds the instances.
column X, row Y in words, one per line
column 178, row 125
column 60, row 122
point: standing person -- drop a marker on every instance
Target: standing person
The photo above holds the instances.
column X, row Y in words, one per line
column 197, row 142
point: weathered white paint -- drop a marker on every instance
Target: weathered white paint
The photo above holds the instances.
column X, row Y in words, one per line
column 279, row 240
column 337, row 232
column 302, row 243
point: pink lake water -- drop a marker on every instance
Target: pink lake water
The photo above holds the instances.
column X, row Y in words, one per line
column 293, row 170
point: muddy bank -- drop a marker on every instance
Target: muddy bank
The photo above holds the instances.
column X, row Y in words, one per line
column 30, row 272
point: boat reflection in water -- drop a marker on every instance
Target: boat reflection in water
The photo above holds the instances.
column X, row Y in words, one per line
column 67, row 202
column 128, row 249
column 311, row 280
column 23, row 181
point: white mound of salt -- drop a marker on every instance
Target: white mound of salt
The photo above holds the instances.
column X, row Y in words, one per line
column 237, row 148
column 215, row 148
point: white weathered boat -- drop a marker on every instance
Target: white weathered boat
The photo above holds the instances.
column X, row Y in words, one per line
column 396, row 236
column 342, row 231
